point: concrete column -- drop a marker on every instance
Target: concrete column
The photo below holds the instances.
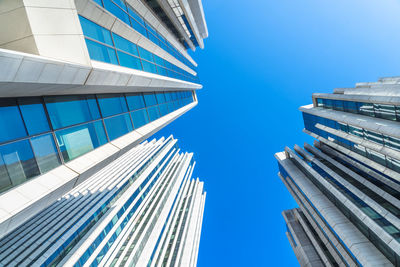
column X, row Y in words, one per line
column 47, row 28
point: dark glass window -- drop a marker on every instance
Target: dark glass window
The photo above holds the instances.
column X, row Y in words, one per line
column 118, row 126
column 135, row 101
column 153, row 112
column 150, row 100
column 386, row 112
column 112, row 104
column 69, row 110
column 95, row 31
column 367, row 109
column 139, row 118
column 34, row 116
column 78, row 140
column 19, row 161
column 11, row 124
column 45, row 152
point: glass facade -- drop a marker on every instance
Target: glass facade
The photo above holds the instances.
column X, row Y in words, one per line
column 38, row 134
column 383, row 111
column 106, row 46
column 130, row 16
column 310, row 121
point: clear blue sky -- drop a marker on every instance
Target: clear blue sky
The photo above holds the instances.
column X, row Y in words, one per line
column 263, row 60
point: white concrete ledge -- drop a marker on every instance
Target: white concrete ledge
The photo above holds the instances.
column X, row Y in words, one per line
column 45, row 76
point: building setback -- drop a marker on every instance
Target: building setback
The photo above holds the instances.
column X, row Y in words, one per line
column 347, row 185
column 83, row 84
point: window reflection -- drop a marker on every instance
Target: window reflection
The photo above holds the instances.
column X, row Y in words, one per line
column 78, row 124
column 76, row 141
column 11, row 124
column 19, row 162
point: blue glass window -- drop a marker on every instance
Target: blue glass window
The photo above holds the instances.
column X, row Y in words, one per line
column 98, row 2
column 78, row 140
column 158, row 60
column 11, row 124
column 69, row 110
column 168, row 96
column 116, row 11
column 101, row 52
column 133, row 13
column 45, row 152
column 118, row 126
column 139, row 27
column 34, row 116
column 149, row 67
column 171, row 106
column 112, row 104
column 95, row 31
column 160, row 98
column 125, row 45
column 150, row 99
column 163, row 109
column 129, row 61
column 139, row 118
column 135, row 101
column 145, row 54
column 153, row 112
column 19, row 161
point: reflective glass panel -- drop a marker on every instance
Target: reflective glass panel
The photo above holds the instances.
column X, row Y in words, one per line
column 129, row 61
column 118, row 126
column 78, row 140
column 95, row 31
column 163, row 109
column 112, row 104
column 139, row 118
column 125, row 45
column 5, row 181
column 160, row 98
column 139, row 27
column 149, row 67
column 386, row 112
column 150, row 100
column 45, row 152
column 367, row 109
column 34, row 116
column 136, row 16
column 116, row 11
column 69, row 110
column 11, row 124
column 19, row 161
column 101, row 52
column 135, row 101
column 145, row 54
column 153, row 112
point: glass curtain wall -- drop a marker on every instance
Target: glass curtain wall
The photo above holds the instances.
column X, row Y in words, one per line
column 38, row 134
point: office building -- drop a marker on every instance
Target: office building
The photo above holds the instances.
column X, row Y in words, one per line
column 347, row 185
column 83, row 83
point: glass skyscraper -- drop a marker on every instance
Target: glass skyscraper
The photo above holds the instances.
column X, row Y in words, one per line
column 83, row 84
column 347, row 185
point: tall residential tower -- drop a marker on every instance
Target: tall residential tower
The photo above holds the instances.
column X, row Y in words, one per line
column 82, row 84
column 347, row 185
